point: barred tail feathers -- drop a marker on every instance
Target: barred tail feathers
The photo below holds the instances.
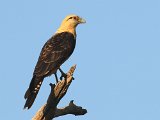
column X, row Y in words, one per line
column 32, row 91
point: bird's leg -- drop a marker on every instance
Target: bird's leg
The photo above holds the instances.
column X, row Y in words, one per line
column 56, row 77
column 62, row 74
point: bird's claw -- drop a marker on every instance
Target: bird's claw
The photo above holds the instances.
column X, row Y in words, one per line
column 63, row 76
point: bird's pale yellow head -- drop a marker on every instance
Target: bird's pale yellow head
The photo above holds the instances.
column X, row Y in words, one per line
column 70, row 23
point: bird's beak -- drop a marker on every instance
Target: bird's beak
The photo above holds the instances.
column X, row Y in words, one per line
column 81, row 20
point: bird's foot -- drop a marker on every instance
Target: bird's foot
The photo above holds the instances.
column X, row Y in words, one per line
column 63, row 75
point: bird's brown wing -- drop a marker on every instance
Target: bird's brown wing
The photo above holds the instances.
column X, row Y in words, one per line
column 54, row 53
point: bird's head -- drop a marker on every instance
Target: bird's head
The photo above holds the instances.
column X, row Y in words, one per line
column 73, row 20
column 69, row 24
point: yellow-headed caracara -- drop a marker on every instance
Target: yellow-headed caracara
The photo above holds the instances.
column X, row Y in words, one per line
column 53, row 54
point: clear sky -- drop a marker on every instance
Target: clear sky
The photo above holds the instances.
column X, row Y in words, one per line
column 117, row 57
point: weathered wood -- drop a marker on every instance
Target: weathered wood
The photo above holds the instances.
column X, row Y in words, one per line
column 70, row 109
column 50, row 110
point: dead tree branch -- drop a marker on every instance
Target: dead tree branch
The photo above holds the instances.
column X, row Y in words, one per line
column 50, row 110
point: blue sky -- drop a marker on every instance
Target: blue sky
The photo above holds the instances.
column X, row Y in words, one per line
column 117, row 57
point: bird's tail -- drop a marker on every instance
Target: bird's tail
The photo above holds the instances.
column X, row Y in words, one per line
column 32, row 91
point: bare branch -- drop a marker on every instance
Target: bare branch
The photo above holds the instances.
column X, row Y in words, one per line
column 70, row 109
column 50, row 110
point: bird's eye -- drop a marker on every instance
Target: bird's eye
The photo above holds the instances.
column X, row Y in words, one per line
column 75, row 18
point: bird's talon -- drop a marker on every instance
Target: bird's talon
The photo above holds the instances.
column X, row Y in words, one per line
column 61, row 77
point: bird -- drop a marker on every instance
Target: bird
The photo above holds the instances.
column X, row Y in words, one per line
column 53, row 54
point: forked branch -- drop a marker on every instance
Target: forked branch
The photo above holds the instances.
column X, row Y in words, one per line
column 50, row 110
